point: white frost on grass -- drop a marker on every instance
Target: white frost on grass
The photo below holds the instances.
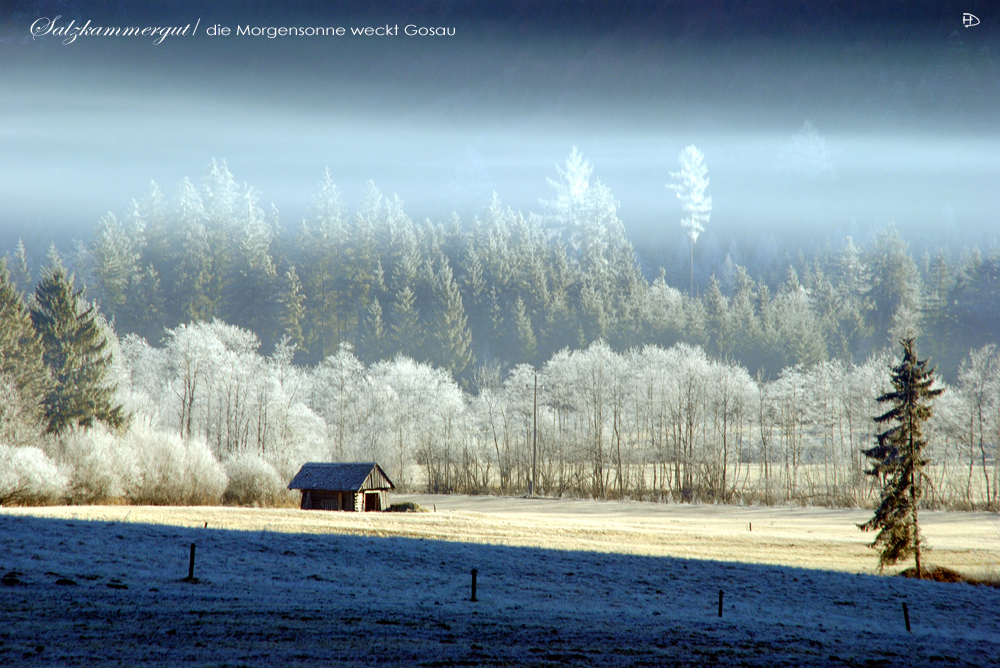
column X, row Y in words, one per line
column 341, row 593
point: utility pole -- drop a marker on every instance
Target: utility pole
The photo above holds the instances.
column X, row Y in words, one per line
column 534, row 438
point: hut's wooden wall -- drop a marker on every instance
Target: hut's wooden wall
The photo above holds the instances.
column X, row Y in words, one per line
column 329, row 500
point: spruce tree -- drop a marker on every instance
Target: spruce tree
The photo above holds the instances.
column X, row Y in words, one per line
column 690, row 187
column 327, row 268
column 720, row 331
column 20, row 271
column 407, row 334
column 75, row 344
column 897, row 459
column 20, row 357
column 292, row 308
column 450, row 345
column 373, row 336
column 190, row 281
column 523, row 334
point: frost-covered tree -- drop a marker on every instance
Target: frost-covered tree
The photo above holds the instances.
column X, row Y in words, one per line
column 251, row 288
column 893, row 288
column 586, row 213
column 523, row 335
column 979, row 388
column 116, row 255
column 407, row 335
column 374, row 338
column 191, row 354
column 20, row 269
column 897, row 460
column 691, row 183
column 449, row 339
column 799, row 334
column 415, row 414
column 292, row 308
column 336, row 393
column 329, row 266
column 721, row 327
column 806, row 154
column 730, row 393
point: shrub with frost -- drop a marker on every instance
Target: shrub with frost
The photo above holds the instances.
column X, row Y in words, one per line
column 173, row 471
column 28, row 477
column 99, row 463
column 254, row 482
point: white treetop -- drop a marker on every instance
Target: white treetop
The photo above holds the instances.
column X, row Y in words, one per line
column 690, row 187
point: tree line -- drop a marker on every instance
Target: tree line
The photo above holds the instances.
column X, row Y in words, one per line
column 507, row 287
column 246, row 349
column 208, row 417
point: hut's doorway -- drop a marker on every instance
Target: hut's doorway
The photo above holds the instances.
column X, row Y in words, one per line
column 373, row 503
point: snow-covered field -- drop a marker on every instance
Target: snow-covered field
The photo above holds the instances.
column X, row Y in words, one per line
column 559, row 582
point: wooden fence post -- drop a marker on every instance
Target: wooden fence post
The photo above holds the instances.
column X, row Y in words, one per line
column 474, row 573
column 906, row 617
column 720, row 603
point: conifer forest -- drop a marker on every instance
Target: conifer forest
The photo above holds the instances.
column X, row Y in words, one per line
column 195, row 349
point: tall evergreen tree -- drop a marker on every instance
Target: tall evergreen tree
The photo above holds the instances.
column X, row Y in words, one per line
column 292, row 309
column 75, row 342
column 720, row 321
column 128, row 291
column 894, row 287
column 407, row 335
column 524, row 335
column 191, row 281
column 328, row 270
column 897, row 459
column 20, row 356
column 690, row 187
column 116, row 256
column 20, row 271
column 450, row 341
column 373, row 334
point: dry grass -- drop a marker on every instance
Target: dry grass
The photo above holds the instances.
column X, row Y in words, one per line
column 820, row 538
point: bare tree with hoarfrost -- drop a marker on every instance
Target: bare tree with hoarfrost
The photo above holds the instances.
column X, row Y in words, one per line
column 979, row 388
column 730, row 395
column 491, row 420
column 190, row 352
column 337, row 395
column 420, row 408
column 691, row 183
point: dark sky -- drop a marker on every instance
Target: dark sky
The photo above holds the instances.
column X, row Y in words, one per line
column 814, row 123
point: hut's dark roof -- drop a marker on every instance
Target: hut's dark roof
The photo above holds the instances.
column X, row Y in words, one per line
column 341, row 477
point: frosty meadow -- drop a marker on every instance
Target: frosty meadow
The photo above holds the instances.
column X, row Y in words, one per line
column 561, row 582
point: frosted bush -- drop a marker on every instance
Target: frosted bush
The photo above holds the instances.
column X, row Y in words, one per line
column 140, row 466
column 100, row 464
column 20, row 421
column 174, row 471
column 254, row 482
column 28, row 477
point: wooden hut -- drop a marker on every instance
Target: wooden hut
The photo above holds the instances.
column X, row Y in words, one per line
column 358, row 487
